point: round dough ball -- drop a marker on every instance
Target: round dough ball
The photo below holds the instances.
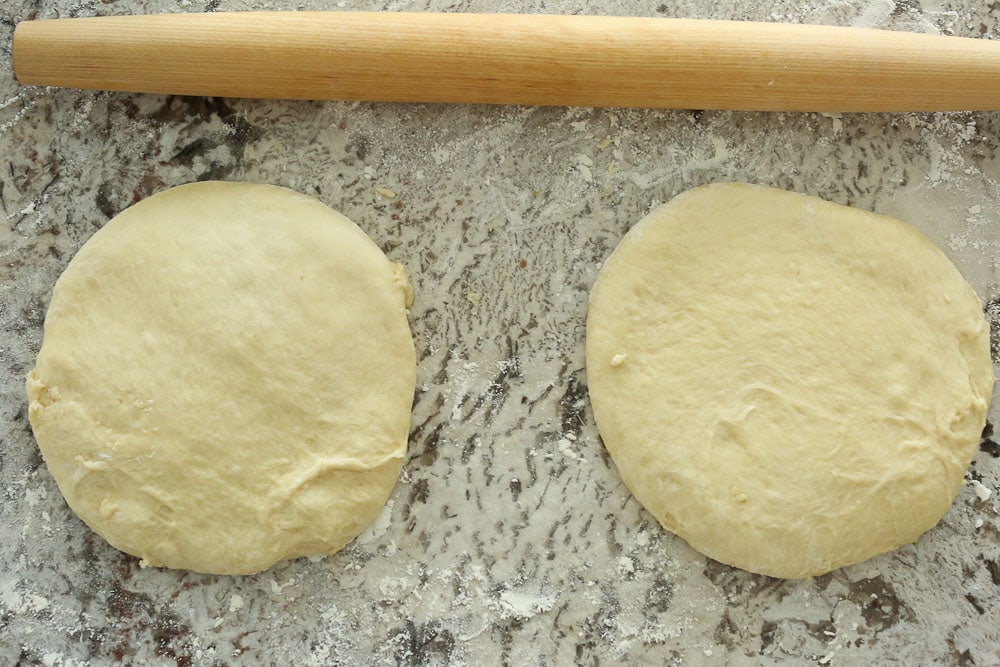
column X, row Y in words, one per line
column 789, row 385
column 226, row 379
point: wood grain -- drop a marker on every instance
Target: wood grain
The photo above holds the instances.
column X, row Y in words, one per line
column 513, row 59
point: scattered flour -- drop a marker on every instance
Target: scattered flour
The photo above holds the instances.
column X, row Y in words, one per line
column 983, row 492
column 523, row 604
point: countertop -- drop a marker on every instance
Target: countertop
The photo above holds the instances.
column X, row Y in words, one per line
column 509, row 538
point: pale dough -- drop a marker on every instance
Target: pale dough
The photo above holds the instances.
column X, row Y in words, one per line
column 788, row 384
column 226, row 379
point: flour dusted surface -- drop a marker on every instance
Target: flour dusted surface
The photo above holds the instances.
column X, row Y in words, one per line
column 513, row 192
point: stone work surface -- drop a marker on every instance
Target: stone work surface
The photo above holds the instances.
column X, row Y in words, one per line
column 509, row 538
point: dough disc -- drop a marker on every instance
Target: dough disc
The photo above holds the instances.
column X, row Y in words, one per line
column 226, row 379
column 789, row 385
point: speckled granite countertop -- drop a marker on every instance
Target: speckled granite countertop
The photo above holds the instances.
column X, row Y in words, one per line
column 509, row 538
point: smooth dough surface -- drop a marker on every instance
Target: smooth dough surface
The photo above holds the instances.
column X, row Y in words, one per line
column 226, row 379
column 788, row 384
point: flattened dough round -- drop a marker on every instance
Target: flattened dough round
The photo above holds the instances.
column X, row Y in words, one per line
column 789, row 385
column 226, row 379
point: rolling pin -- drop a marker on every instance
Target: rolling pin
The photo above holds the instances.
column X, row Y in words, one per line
column 513, row 59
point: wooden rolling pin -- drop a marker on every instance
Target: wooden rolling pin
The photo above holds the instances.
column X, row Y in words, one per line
column 513, row 59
